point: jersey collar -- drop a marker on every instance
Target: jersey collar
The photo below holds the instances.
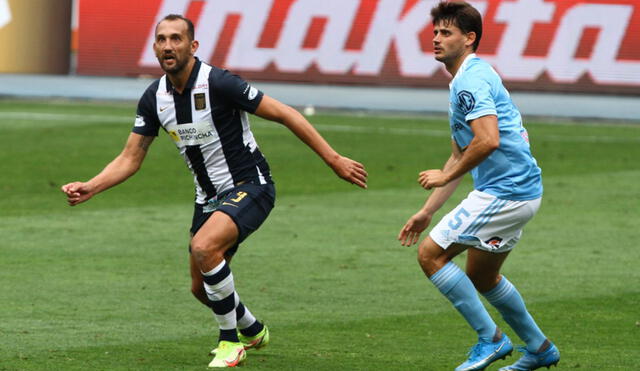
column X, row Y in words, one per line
column 463, row 67
column 192, row 77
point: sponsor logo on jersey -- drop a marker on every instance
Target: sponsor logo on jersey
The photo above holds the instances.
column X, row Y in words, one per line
column 200, row 101
column 192, row 134
column 466, row 101
column 174, row 135
column 139, row 121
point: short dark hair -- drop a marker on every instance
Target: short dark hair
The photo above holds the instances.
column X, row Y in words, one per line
column 174, row 17
column 461, row 15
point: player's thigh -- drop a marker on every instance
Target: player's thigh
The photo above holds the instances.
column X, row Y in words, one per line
column 218, row 233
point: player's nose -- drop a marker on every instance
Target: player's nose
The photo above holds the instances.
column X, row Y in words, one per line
column 166, row 47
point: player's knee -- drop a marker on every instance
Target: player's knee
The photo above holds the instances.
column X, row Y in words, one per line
column 432, row 257
column 427, row 261
column 202, row 249
column 198, row 249
column 423, row 257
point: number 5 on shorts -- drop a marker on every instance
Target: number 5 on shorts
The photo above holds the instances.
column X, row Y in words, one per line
column 456, row 222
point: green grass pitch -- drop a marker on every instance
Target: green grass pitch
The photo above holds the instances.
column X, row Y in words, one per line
column 105, row 285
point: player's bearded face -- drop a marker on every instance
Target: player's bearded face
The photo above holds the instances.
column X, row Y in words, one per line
column 173, row 47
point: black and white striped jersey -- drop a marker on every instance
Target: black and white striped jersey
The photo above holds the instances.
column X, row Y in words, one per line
column 209, row 124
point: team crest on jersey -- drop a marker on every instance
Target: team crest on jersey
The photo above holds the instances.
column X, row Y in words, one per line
column 200, row 101
column 466, row 101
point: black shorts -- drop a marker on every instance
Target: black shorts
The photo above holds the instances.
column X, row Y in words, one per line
column 247, row 204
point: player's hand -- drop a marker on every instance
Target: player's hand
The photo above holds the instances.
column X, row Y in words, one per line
column 77, row 192
column 410, row 233
column 432, row 178
column 351, row 171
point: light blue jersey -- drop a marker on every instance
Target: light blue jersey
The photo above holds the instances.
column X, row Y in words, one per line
column 510, row 172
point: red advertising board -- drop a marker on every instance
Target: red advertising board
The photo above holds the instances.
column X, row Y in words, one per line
column 548, row 45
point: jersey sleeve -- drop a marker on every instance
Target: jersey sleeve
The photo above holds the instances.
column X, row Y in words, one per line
column 235, row 90
column 475, row 99
column 147, row 122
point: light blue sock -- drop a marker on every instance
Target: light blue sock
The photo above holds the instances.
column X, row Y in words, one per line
column 506, row 298
column 457, row 287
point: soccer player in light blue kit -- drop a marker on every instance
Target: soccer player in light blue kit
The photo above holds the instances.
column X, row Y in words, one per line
column 488, row 140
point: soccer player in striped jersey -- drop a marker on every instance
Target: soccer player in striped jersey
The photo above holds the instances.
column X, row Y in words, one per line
column 204, row 110
column 488, row 140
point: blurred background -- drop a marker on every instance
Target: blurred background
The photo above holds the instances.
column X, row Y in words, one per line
column 345, row 54
column 105, row 285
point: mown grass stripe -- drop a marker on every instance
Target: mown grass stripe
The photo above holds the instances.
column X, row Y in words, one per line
column 392, row 129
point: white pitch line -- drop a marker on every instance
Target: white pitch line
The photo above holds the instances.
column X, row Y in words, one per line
column 81, row 118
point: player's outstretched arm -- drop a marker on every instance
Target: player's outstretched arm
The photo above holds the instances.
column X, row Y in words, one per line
column 122, row 167
column 346, row 168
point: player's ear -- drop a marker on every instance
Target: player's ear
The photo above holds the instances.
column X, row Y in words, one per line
column 194, row 46
column 471, row 38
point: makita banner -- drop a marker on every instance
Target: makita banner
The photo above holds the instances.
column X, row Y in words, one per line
column 553, row 45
